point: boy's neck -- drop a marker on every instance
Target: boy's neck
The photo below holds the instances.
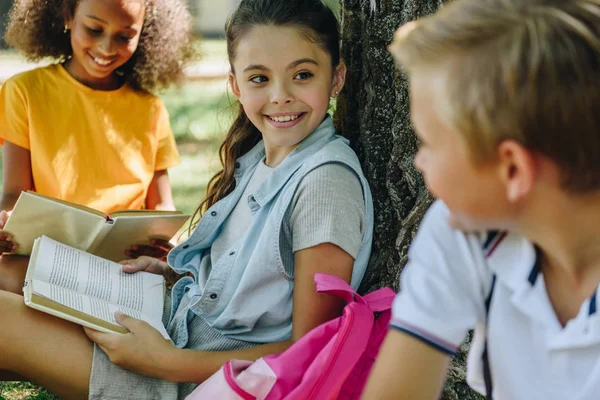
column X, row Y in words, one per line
column 566, row 228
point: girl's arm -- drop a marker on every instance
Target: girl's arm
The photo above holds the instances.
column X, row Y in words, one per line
column 159, row 192
column 146, row 352
column 16, row 174
column 406, row 369
column 310, row 310
column 159, row 198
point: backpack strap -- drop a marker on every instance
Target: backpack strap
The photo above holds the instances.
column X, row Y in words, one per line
column 377, row 301
column 487, row 373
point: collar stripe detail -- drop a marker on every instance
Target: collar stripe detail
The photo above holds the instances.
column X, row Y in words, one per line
column 592, row 309
column 535, row 271
column 494, row 242
column 425, row 336
column 491, row 235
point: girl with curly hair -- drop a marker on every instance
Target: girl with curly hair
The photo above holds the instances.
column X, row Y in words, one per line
column 87, row 129
column 290, row 201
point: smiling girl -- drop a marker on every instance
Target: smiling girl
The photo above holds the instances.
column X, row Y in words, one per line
column 87, row 129
column 290, row 201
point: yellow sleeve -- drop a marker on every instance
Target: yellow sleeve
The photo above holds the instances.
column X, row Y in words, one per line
column 167, row 155
column 14, row 123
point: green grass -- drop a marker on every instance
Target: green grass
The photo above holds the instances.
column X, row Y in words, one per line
column 23, row 390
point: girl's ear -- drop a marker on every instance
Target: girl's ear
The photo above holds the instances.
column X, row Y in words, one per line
column 339, row 79
column 235, row 88
column 518, row 169
column 68, row 16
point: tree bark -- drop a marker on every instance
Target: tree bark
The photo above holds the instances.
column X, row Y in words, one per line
column 5, row 6
column 373, row 112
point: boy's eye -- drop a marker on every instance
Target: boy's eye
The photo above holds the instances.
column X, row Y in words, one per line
column 258, row 79
column 125, row 38
column 304, row 75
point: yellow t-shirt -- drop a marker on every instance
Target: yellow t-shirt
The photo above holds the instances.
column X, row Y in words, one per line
column 96, row 148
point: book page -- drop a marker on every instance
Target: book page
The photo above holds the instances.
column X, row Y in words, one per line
column 142, row 213
column 68, row 203
column 80, row 273
column 35, row 215
column 127, row 230
column 95, row 307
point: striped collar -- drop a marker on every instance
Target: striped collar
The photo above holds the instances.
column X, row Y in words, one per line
column 516, row 263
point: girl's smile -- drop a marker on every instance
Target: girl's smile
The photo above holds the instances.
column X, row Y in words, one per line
column 285, row 120
column 101, row 61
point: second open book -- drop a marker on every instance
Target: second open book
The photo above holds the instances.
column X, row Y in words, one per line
column 84, row 228
column 87, row 290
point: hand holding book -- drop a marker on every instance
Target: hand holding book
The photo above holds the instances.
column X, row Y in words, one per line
column 144, row 351
column 153, row 266
column 7, row 245
column 157, row 248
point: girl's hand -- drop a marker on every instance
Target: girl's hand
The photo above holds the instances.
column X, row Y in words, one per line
column 143, row 350
column 152, row 265
column 145, row 263
column 7, row 245
column 158, row 248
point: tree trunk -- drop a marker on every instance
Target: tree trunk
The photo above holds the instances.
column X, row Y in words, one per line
column 5, row 6
column 373, row 112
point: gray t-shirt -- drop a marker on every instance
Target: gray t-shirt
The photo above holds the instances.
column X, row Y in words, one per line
column 328, row 207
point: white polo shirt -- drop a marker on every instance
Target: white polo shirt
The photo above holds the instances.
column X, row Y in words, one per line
column 443, row 292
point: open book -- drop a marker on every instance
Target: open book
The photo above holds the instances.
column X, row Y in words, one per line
column 84, row 228
column 88, row 290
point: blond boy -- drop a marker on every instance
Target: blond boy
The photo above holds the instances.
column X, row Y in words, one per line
column 505, row 98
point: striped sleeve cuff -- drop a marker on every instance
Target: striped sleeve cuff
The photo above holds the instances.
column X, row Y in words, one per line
column 426, row 337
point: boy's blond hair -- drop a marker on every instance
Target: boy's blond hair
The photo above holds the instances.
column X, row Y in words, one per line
column 527, row 70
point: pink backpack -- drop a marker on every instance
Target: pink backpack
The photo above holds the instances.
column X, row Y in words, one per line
column 330, row 362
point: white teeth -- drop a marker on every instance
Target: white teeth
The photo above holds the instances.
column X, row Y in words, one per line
column 101, row 62
column 286, row 118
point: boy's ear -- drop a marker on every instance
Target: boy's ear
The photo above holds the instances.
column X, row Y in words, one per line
column 235, row 88
column 518, row 169
column 339, row 79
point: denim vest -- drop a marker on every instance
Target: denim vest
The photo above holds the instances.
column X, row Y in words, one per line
column 248, row 295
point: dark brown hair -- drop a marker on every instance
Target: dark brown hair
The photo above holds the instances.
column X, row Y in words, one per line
column 36, row 29
column 316, row 22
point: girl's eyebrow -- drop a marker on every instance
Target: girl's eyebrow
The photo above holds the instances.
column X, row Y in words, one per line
column 302, row 61
column 96, row 18
column 291, row 66
column 256, row 66
column 104, row 22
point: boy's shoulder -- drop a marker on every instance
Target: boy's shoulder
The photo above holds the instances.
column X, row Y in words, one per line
column 502, row 253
